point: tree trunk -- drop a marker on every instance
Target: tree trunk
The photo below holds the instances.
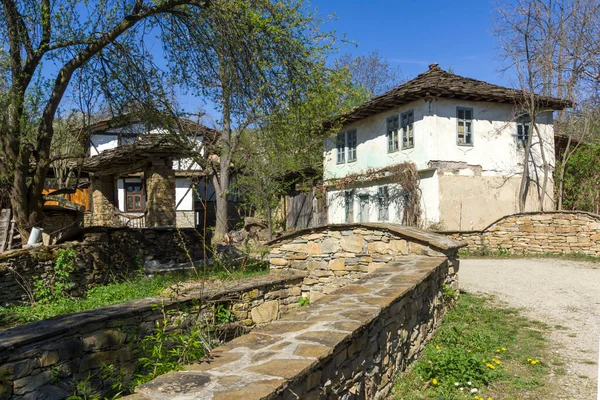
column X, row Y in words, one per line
column 222, row 187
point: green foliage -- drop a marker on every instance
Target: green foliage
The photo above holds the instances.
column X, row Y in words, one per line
column 304, row 301
column 223, row 314
column 449, row 293
column 582, row 180
column 478, row 346
column 115, row 293
column 54, row 287
column 170, row 347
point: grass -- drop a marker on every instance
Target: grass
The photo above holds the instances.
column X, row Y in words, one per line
column 119, row 292
column 475, row 336
column 500, row 252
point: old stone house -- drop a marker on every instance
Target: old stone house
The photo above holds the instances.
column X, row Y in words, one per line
column 138, row 168
column 466, row 138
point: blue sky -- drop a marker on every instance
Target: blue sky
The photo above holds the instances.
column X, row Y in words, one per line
column 413, row 34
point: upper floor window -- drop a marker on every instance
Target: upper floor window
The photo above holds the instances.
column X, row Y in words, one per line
column 392, row 133
column 341, row 147
column 351, row 143
column 346, row 142
column 383, row 200
column 408, row 139
column 134, row 196
column 464, row 132
column 523, row 128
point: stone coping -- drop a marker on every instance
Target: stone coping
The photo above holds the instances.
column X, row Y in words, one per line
column 430, row 238
column 87, row 320
column 552, row 212
column 274, row 357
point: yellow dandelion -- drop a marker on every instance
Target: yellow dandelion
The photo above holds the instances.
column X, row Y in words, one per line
column 529, row 360
column 497, row 362
column 498, row 351
column 437, row 347
column 490, row 366
column 468, row 351
column 434, row 381
column 504, row 349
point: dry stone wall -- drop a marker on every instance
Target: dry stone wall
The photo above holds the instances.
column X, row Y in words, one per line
column 347, row 345
column 335, row 255
column 530, row 233
column 102, row 254
column 46, row 359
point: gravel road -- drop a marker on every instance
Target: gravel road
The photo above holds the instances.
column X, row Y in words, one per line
column 563, row 294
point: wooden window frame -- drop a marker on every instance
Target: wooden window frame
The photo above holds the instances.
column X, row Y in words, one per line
column 351, row 145
column 392, row 126
column 407, row 122
column 133, row 195
column 464, row 121
column 523, row 122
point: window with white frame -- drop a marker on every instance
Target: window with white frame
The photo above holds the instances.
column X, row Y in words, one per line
column 341, row 147
column 408, row 139
column 464, row 126
column 346, row 142
column 349, row 205
column 383, row 201
column 392, row 133
column 351, row 142
column 523, row 129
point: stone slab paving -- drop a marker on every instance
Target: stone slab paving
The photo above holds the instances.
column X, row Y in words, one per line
column 285, row 352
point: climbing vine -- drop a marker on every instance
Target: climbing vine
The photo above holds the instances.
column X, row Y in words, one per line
column 404, row 174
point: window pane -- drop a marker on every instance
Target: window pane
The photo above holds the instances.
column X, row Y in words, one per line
column 461, row 128
column 467, row 114
column 461, row 114
column 468, row 126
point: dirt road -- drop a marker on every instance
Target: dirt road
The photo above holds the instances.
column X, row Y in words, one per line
column 563, row 294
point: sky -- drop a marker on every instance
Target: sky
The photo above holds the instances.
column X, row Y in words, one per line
column 413, row 34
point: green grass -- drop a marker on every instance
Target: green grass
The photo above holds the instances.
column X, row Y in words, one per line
column 120, row 292
column 474, row 335
column 500, row 252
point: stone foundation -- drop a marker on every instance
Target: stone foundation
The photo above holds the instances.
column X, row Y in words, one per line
column 46, row 359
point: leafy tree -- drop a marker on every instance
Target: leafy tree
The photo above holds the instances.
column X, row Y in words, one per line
column 267, row 58
column 245, row 55
column 582, row 179
column 286, row 147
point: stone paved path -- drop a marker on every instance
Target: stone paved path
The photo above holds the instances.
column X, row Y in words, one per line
column 563, row 294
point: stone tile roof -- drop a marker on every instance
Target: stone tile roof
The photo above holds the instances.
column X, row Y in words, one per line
column 439, row 83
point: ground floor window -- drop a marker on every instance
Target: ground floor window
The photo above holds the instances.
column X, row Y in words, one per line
column 349, row 206
column 383, row 201
column 364, row 208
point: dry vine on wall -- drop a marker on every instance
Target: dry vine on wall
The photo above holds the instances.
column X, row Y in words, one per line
column 405, row 175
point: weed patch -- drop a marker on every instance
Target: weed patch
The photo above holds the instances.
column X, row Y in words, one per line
column 481, row 351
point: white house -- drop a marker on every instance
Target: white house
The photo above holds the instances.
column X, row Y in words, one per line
column 192, row 187
column 465, row 138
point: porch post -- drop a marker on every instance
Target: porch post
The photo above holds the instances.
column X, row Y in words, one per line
column 103, row 198
column 160, row 193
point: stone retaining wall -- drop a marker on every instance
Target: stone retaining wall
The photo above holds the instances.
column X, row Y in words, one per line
column 335, row 255
column 45, row 359
column 349, row 344
column 102, row 254
column 558, row 232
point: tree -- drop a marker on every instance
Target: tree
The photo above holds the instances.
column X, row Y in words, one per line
column 286, row 147
column 372, row 72
column 552, row 48
column 269, row 57
column 74, row 36
column 249, row 53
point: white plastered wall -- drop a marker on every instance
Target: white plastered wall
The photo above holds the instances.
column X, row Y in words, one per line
column 493, row 158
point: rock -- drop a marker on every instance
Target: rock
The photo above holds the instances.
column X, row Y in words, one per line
column 266, row 312
column 330, row 245
column 337, row 264
column 399, row 247
column 31, row 382
column 313, row 248
column 352, row 243
column 48, row 358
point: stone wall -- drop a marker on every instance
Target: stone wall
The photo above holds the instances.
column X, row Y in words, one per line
column 58, row 221
column 45, row 359
column 335, row 255
column 557, row 232
column 349, row 344
column 102, row 254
